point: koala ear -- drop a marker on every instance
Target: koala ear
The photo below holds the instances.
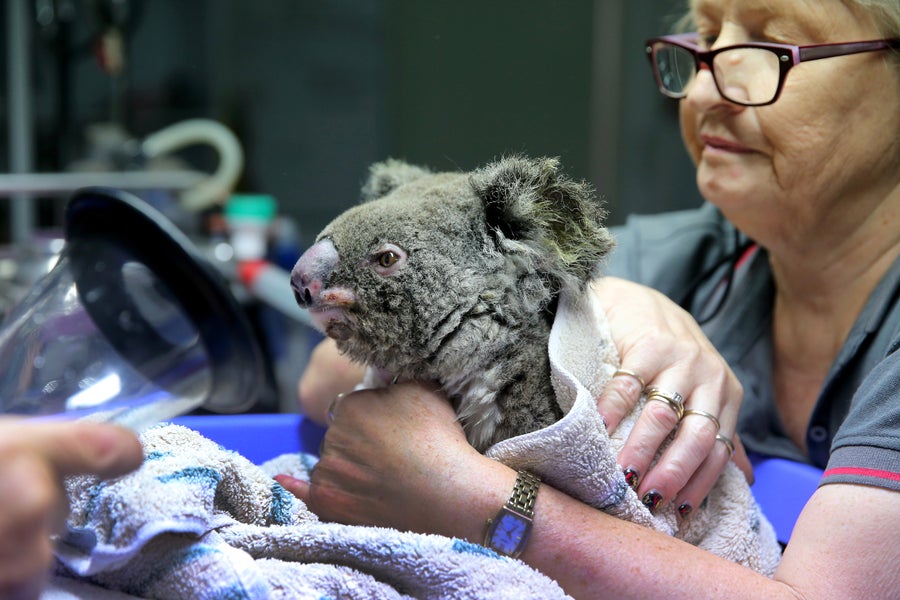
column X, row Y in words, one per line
column 537, row 212
column 384, row 177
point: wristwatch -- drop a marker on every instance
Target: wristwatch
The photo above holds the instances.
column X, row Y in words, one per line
column 507, row 533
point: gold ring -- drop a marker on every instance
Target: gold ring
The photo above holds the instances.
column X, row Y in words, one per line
column 630, row 373
column 702, row 413
column 329, row 416
column 728, row 444
column 673, row 399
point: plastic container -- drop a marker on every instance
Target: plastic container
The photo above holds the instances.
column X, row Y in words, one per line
column 132, row 325
column 249, row 217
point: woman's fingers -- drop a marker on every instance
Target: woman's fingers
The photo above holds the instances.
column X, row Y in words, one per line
column 32, row 509
column 665, row 353
column 297, row 487
column 73, row 448
column 691, row 457
column 622, row 394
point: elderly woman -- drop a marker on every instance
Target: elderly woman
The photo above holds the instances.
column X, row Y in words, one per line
column 785, row 286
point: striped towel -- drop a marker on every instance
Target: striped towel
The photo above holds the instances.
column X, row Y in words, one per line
column 199, row 521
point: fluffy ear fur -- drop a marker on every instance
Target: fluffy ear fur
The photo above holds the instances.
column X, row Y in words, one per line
column 384, row 177
column 535, row 211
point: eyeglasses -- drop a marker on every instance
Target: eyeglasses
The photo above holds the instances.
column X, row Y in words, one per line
column 747, row 74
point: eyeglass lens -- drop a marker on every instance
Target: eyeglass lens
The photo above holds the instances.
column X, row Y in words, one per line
column 743, row 75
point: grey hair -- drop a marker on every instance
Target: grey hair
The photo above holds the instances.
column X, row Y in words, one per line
column 885, row 15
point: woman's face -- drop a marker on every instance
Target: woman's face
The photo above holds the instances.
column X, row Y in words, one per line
column 825, row 154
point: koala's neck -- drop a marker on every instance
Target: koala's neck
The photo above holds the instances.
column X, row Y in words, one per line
column 502, row 388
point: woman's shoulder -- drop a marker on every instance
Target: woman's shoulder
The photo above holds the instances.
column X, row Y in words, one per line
column 870, row 433
column 866, row 449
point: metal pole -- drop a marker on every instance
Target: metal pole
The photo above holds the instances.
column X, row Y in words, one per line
column 21, row 120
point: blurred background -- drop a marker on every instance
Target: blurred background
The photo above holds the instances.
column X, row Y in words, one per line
column 315, row 91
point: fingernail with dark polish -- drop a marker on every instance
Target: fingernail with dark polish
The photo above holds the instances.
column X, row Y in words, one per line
column 631, row 478
column 685, row 510
column 652, row 499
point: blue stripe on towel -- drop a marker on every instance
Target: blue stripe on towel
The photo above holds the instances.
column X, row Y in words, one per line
column 469, row 548
column 308, row 461
column 616, row 494
column 204, row 476
column 282, row 501
column 93, row 496
column 156, row 455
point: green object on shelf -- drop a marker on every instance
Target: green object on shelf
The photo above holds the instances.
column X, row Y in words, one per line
column 257, row 207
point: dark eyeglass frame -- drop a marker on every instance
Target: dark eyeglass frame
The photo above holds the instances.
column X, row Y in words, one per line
column 789, row 56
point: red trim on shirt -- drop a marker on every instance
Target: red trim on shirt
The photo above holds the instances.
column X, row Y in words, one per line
column 750, row 251
column 876, row 473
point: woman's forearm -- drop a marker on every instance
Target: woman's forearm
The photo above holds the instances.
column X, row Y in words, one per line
column 834, row 553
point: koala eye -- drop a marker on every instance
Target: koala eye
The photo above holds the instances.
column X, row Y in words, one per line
column 388, row 259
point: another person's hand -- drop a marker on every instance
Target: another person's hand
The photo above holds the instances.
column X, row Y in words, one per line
column 664, row 346
column 34, row 458
column 327, row 374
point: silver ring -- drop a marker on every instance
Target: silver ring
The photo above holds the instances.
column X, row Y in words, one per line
column 729, row 445
column 673, row 399
column 703, row 413
column 329, row 416
column 630, row 373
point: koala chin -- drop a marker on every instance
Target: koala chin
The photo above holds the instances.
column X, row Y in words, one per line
column 454, row 278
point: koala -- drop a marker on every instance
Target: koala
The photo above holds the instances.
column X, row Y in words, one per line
column 454, row 278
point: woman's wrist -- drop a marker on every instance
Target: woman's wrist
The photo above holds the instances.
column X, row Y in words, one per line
column 472, row 496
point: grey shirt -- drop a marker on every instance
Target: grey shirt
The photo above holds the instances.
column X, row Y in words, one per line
column 698, row 259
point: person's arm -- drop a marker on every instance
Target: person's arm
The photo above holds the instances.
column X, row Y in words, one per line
column 397, row 457
column 34, row 458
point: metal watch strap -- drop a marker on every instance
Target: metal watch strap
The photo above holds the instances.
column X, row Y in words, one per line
column 524, row 493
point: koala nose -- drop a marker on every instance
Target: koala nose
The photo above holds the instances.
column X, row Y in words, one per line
column 311, row 272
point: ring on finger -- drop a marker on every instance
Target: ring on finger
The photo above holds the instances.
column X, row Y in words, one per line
column 673, row 399
column 729, row 445
column 702, row 413
column 330, row 414
column 630, row 373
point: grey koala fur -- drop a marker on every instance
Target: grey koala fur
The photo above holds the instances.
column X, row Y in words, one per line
column 454, row 278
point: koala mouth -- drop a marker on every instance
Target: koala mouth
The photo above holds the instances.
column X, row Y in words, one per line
column 330, row 313
column 332, row 321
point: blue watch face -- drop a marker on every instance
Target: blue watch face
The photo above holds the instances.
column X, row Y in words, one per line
column 509, row 530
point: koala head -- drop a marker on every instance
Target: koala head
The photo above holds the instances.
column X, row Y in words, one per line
column 432, row 268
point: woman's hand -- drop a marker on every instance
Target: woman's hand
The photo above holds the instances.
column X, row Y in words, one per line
column 327, row 374
column 34, row 458
column 397, row 457
column 663, row 345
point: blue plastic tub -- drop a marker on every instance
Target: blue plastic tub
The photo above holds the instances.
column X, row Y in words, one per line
column 259, row 437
